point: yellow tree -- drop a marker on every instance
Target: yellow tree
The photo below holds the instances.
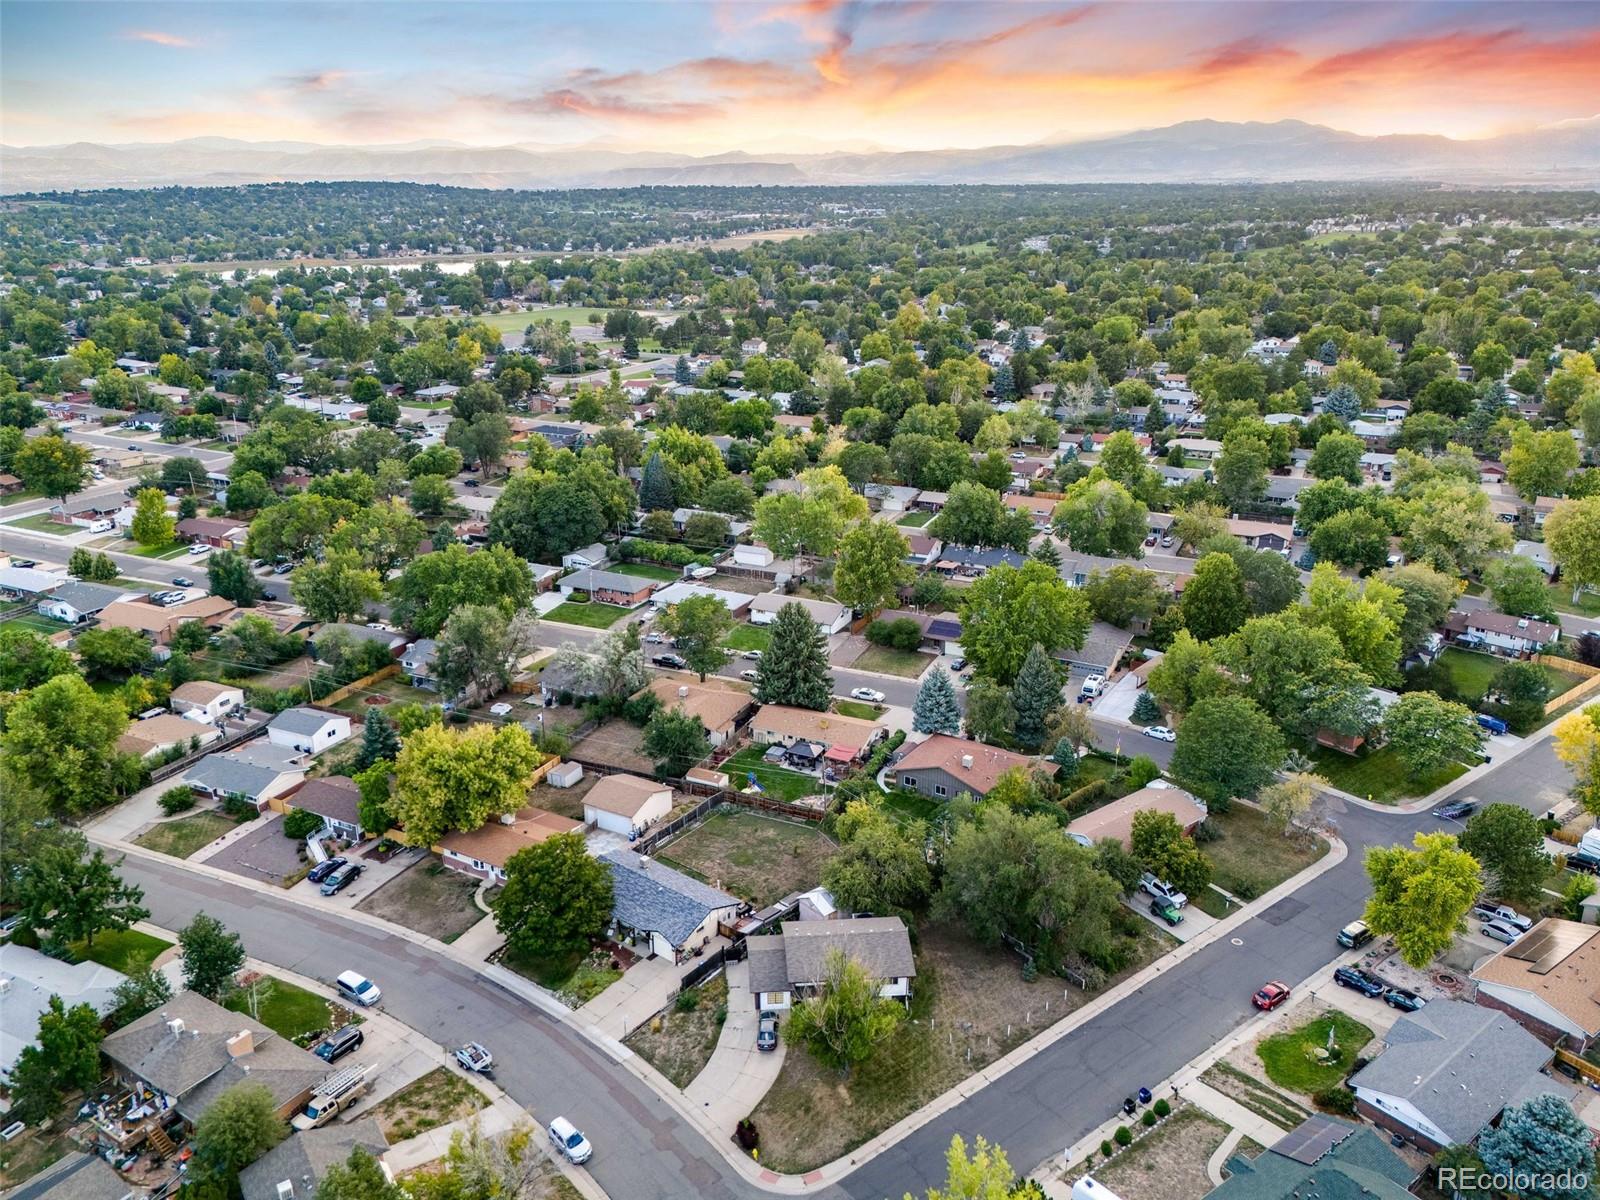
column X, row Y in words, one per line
column 1577, row 743
column 986, row 1175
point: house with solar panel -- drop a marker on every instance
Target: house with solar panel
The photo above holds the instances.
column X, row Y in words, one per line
column 1545, row 982
column 1322, row 1156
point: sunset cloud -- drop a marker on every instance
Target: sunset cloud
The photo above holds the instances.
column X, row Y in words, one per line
column 158, row 38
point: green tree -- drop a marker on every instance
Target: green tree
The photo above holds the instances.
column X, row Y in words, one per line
column 557, row 898
column 991, row 716
column 110, row 651
column 1518, row 588
column 1364, row 617
column 1509, row 844
column 1522, row 689
column 1420, row 896
column 1226, row 747
column 1158, row 841
column 61, row 739
column 846, row 1019
column 1426, row 597
column 359, row 1177
column 936, row 709
column 1353, row 539
column 152, row 524
column 1572, row 532
column 64, row 1053
column 1200, row 522
column 435, row 585
column 794, row 667
column 1241, row 470
column 881, row 865
column 1123, row 595
column 336, row 589
column 1543, row 1148
column 812, row 520
column 872, row 566
column 1337, row 456
column 239, row 1127
column 212, row 956
column 28, row 658
column 655, row 488
column 229, row 575
column 447, row 779
column 75, row 894
column 1036, row 695
column 481, row 648
column 675, row 741
column 144, row 990
column 1145, row 710
column 379, row 741
column 1011, row 609
column 1101, row 517
column 973, row 515
column 52, row 466
column 1427, row 732
column 1288, row 801
column 697, row 627
column 1214, row 602
column 1539, row 462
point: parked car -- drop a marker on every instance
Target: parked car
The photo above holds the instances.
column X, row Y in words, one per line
column 869, row 694
column 655, row 639
column 702, row 573
column 572, row 1145
column 325, row 868
column 1358, row 980
column 1151, row 540
column 1159, row 890
column 355, row 986
column 1166, row 542
column 1269, row 995
column 753, row 655
column 750, row 676
column 1354, row 935
column 767, row 1031
column 182, row 581
column 1502, row 914
column 1166, row 911
column 1456, row 810
column 668, row 660
column 1161, row 733
column 339, row 1043
column 1491, row 724
column 341, row 879
column 198, row 548
column 1403, row 998
column 1501, row 932
column 959, row 665
column 1091, row 686
column 1582, row 860
column 282, row 568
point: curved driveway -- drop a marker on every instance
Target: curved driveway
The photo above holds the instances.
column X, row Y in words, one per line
column 647, row 1150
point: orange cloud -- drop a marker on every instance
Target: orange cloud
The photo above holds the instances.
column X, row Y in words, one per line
column 158, row 38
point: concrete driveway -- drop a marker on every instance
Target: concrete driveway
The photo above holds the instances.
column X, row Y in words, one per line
column 257, row 850
column 732, row 1083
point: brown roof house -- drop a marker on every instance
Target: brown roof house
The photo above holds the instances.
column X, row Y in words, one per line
column 214, row 531
column 159, row 623
column 1115, row 820
column 626, row 804
column 161, row 733
column 848, row 737
column 945, row 766
column 484, row 852
column 719, row 705
column 794, row 961
column 1548, row 981
column 336, row 799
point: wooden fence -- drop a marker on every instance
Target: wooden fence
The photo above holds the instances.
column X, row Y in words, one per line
column 366, row 681
column 1578, row 692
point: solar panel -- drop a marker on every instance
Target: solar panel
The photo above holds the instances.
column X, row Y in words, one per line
column 1530, row 948
column 1312, row 1138
column 1548, row 945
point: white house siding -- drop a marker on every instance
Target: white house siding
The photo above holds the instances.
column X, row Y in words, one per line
column 1405, row 1112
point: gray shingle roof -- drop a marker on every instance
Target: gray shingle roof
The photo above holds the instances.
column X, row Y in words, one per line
column 1458, row 1064
column 1360, row 1167
column 77, row 1177
column 300, row 720
column 653, row 898
column 589, row 580
column 304, row 1158
column 226, row 773
column 800, row 953
column 87, row 597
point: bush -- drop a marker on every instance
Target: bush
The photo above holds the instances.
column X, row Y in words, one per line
column 1336, row 1098
column 176, row 800
column 686, row 1001
column 1123, row 1136
column 902, row 633
column 641, row 708
column 1206, row 832
column 1162, row 1108
column 299, row 824
column 747, row 1134
column 1141, row 771
column 1107, row 1149
column 665, row 553
column 239, row 807
column 1077, row 801
column 1148, row 1120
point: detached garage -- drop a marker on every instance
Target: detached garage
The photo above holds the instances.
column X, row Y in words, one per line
column 626, row 804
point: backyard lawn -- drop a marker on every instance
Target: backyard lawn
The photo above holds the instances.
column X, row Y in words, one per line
column 650, row 571
column 592, row 614
column 37, row 624
column 1379, row 776
column 395, row 688
column 882, row 659
column 21, row 497
column 755, row 857
column 683, row 1045
column 1471, row 672
column 749, row 637
column 913, row 806
column 778, row 782
column 183, row 837
column 1252, row 857
column 118, row 948
column 287, row 1009
column 1290, row 1057
column 915, row 520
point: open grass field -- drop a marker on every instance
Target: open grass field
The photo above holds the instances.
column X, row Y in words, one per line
column 749, row 637
column 516, row 322
column 1252, row 857
column 120, row 948
column 1290, row 1057
column 395, row 688
column 908, row 663
column 1379, row 776
column 183, row 837
column 758, row 858
column 592, row 615
column 683, row 1045
column 779, row 782
column 429, row 898
column 22, row 497
column 288, row 1009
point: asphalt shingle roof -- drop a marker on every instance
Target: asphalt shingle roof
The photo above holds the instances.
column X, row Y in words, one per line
column 77, row 1177
column 1360, row 1167
column 303, row 1158
column 300, row 720
column 650, row 897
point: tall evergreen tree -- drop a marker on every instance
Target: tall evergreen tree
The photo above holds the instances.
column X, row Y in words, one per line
column 1342, row 402
column 1019, row 342
column 1036, row 695
column 794, row 668
column 379, row 740
column 655, row 487
column 680, row 371
column 936, row 710
column 1005, row 385
column 1047, row 553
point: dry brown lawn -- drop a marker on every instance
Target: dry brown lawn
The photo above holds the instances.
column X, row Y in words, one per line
column 1169, row 1163
column 615, row 744
column 434, row 1099
column 757, row 858
column 429, row 898
column 684, row 1041
column 564, row 802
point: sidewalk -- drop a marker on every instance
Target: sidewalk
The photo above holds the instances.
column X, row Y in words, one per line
column 644, row 990
column 737, row 1075
column 1230, row 1112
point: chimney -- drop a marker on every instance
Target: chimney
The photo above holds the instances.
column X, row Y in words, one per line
column 176, row 1026
column 683, row 692
column 644, row 862
column 241, row 1043
column 966, row 762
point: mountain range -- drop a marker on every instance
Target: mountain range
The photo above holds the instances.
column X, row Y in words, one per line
column 1565, row 155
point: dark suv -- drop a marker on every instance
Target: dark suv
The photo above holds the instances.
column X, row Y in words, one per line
column 325, row 868
column 1403, row 999
column 1364, row 982
column 336, row 1045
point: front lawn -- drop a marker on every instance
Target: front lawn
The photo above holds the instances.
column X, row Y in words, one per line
column 183, row 837
column 778, row 782
column 119, row 948
column 1291, row 1059
column 755, row 857
column 593, row 614
column 909, row 663
column 915, row 520
column 1252, row 857
column 167, row 550
column 288, row 1009
column 21, row 497
column 688, row 1035
column 1380, row 776
column 42, row 523
column 1167, row 1163
column 437, row 1098
column 650, row 571
column 429, row 898
column 1588, row 603
column 856, row 708
column 749, row 637
column 577, row 977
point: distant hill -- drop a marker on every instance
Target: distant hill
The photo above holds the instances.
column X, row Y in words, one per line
column 1566, row 155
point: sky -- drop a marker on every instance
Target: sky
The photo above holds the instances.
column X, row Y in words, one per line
column 708, row 76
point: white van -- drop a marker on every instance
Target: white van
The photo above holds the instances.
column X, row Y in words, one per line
column 355, row 986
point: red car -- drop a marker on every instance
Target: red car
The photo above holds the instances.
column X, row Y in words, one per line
column 1270, row 996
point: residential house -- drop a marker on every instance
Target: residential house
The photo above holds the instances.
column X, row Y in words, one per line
column 544, row 576
column 78, row 1176
column 1115, row 820
column 308, row 730
column 1500, row 632
column 77, row 601
column 214, row 531
column 293, row 1168
column 238, row 773
column 890, row 497
column 1446, row 1071
column 29, row 978
column 666, row 595
column 845, row 738
column 927, row 501
column 1261, row 535
column 1322, row 1157
column 1038, row 508
column 10, row 485
column 562, row 435
column 830, row 617
column 29, row 583
column 204, row 701
column 1542, row 507
column 159, row 622
column 945, row 766
column 923, row 549
column 190, row 1051
column 152, row 736
column 793, row 963
column 626, row 804
column 608, row 587
column 719, row 704
column 1375, row 434
column 969, row 562
column 392, row 640
column 335, row 798
column 1535, row 552
column 420, row 662
column 941, row 632
column 1545, row 981
column 662, row 911
column 436, row 393
column 1204, row 449
column 484, row 852
column 592, row 555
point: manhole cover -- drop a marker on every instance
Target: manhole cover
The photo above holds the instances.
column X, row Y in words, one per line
column 1284, row 910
